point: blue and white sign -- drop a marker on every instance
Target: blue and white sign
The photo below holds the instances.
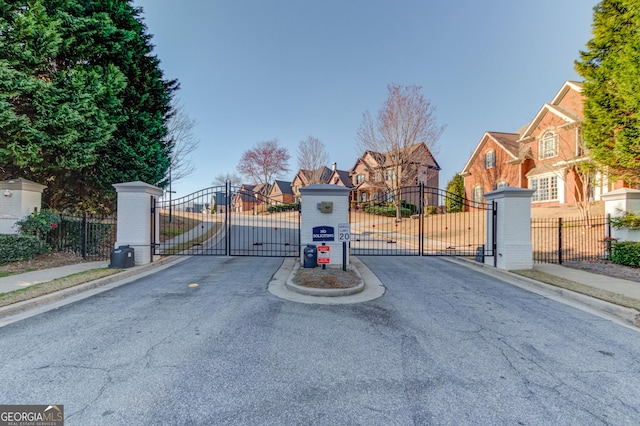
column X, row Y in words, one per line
column 323, row 233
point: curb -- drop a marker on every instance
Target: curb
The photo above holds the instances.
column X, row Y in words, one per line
column 326, row 292
column 628, row 316
column 125, row 276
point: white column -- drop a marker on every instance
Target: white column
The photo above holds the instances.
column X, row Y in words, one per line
column 616, row 203
column 514, row 250
column 312, row 216
column 134, row 218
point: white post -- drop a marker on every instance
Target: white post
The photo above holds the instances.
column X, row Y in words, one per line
column 135, row 200
column 18, row 199
column 317, row 200
column 616, row 203
column 514, row 250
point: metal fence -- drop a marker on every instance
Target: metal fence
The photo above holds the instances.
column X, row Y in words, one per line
column 558, row 240
column 91, row 237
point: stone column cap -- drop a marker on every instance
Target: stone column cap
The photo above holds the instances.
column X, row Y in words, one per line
column 138, row 186
column 325, row 189
column 509, row 192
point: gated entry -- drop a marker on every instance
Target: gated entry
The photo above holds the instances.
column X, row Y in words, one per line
column 424, row 227
column 227, row 221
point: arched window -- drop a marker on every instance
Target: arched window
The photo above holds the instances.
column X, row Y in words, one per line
column 548, row 146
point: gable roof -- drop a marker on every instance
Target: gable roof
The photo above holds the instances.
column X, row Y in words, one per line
column 306, row 175
column 342, row 176
column 384, row 158
column 554, row 108
column 283, row 186
column 507, row 141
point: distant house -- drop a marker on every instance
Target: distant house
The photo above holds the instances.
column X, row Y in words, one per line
column 248, row 197
column 545, row 155
column 374, row 173
column 308, row 177
column 281, row 192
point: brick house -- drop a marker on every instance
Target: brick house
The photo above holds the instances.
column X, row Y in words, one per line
column 308, row 177
column 281, row 192
column 547, row 155
column 248, row 197
column 373, row 173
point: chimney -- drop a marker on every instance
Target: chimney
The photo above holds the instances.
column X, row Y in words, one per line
column 333, row 166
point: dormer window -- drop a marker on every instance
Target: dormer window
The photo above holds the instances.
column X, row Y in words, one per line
column 548, row 145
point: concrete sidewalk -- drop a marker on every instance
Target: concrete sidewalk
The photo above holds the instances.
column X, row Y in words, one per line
column 603, row 282
column 27, row 279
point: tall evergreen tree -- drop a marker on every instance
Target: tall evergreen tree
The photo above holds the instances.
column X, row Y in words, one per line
column 611, row 69
column 83, row 102
column 455, row 200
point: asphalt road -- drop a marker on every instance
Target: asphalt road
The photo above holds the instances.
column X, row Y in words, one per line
column 444, row 345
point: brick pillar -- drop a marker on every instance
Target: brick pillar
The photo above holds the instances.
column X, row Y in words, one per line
column 313, row 197
column 135, row 200
column 514, row 250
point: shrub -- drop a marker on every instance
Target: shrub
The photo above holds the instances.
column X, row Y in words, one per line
column 39, row 223
column 20, row 247
column 626, row 253
column 412, row 207
column 628, row 220
column 283, row 207
column 386, row 211
column 432, row 210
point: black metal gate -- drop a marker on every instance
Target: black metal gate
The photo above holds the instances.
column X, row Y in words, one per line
column 414, row 221
column 227, row 221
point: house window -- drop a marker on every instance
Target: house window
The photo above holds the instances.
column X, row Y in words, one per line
column 363, row 197
column 359, row 179
column 476, row 195
column 544, row 188
column 390, row 174
column 548, row 145
column 489, row 160
column 377, row 177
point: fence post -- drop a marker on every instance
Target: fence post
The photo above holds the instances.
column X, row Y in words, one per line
column 84, row 235
column 559, row 241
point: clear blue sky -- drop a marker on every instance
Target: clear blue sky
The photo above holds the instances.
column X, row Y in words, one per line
column 253, row 70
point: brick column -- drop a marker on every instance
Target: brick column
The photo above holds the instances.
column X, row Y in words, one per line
column 135, row 200
column 313, row 216
column 514, row 249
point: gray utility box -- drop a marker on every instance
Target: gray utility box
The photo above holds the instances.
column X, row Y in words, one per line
column 310, row 256
column 122, row 257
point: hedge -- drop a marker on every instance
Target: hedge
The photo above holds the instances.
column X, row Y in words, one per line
column 283, row 207
column 20, row 247
column 386, row 211
column 626, row 253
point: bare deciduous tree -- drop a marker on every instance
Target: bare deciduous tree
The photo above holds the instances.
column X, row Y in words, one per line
column 264, row 162
column 222, row 179
column 405, row 120
column 180, row 135
column 313, row 157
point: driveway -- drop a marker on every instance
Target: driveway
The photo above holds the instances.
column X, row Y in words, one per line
column 444, row 345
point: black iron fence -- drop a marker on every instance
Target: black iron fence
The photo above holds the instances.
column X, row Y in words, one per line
column 91, row 237
column 558, row 240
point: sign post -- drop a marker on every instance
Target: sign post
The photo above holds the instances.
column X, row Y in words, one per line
column 344, row 235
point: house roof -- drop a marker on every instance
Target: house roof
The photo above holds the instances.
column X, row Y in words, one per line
column 306, row 175
column 507, row 141
column 342, row 176
column 283, row 186
column 555, row 108
column 384, row 159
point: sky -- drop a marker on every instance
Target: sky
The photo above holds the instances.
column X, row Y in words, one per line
column 255, row 70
